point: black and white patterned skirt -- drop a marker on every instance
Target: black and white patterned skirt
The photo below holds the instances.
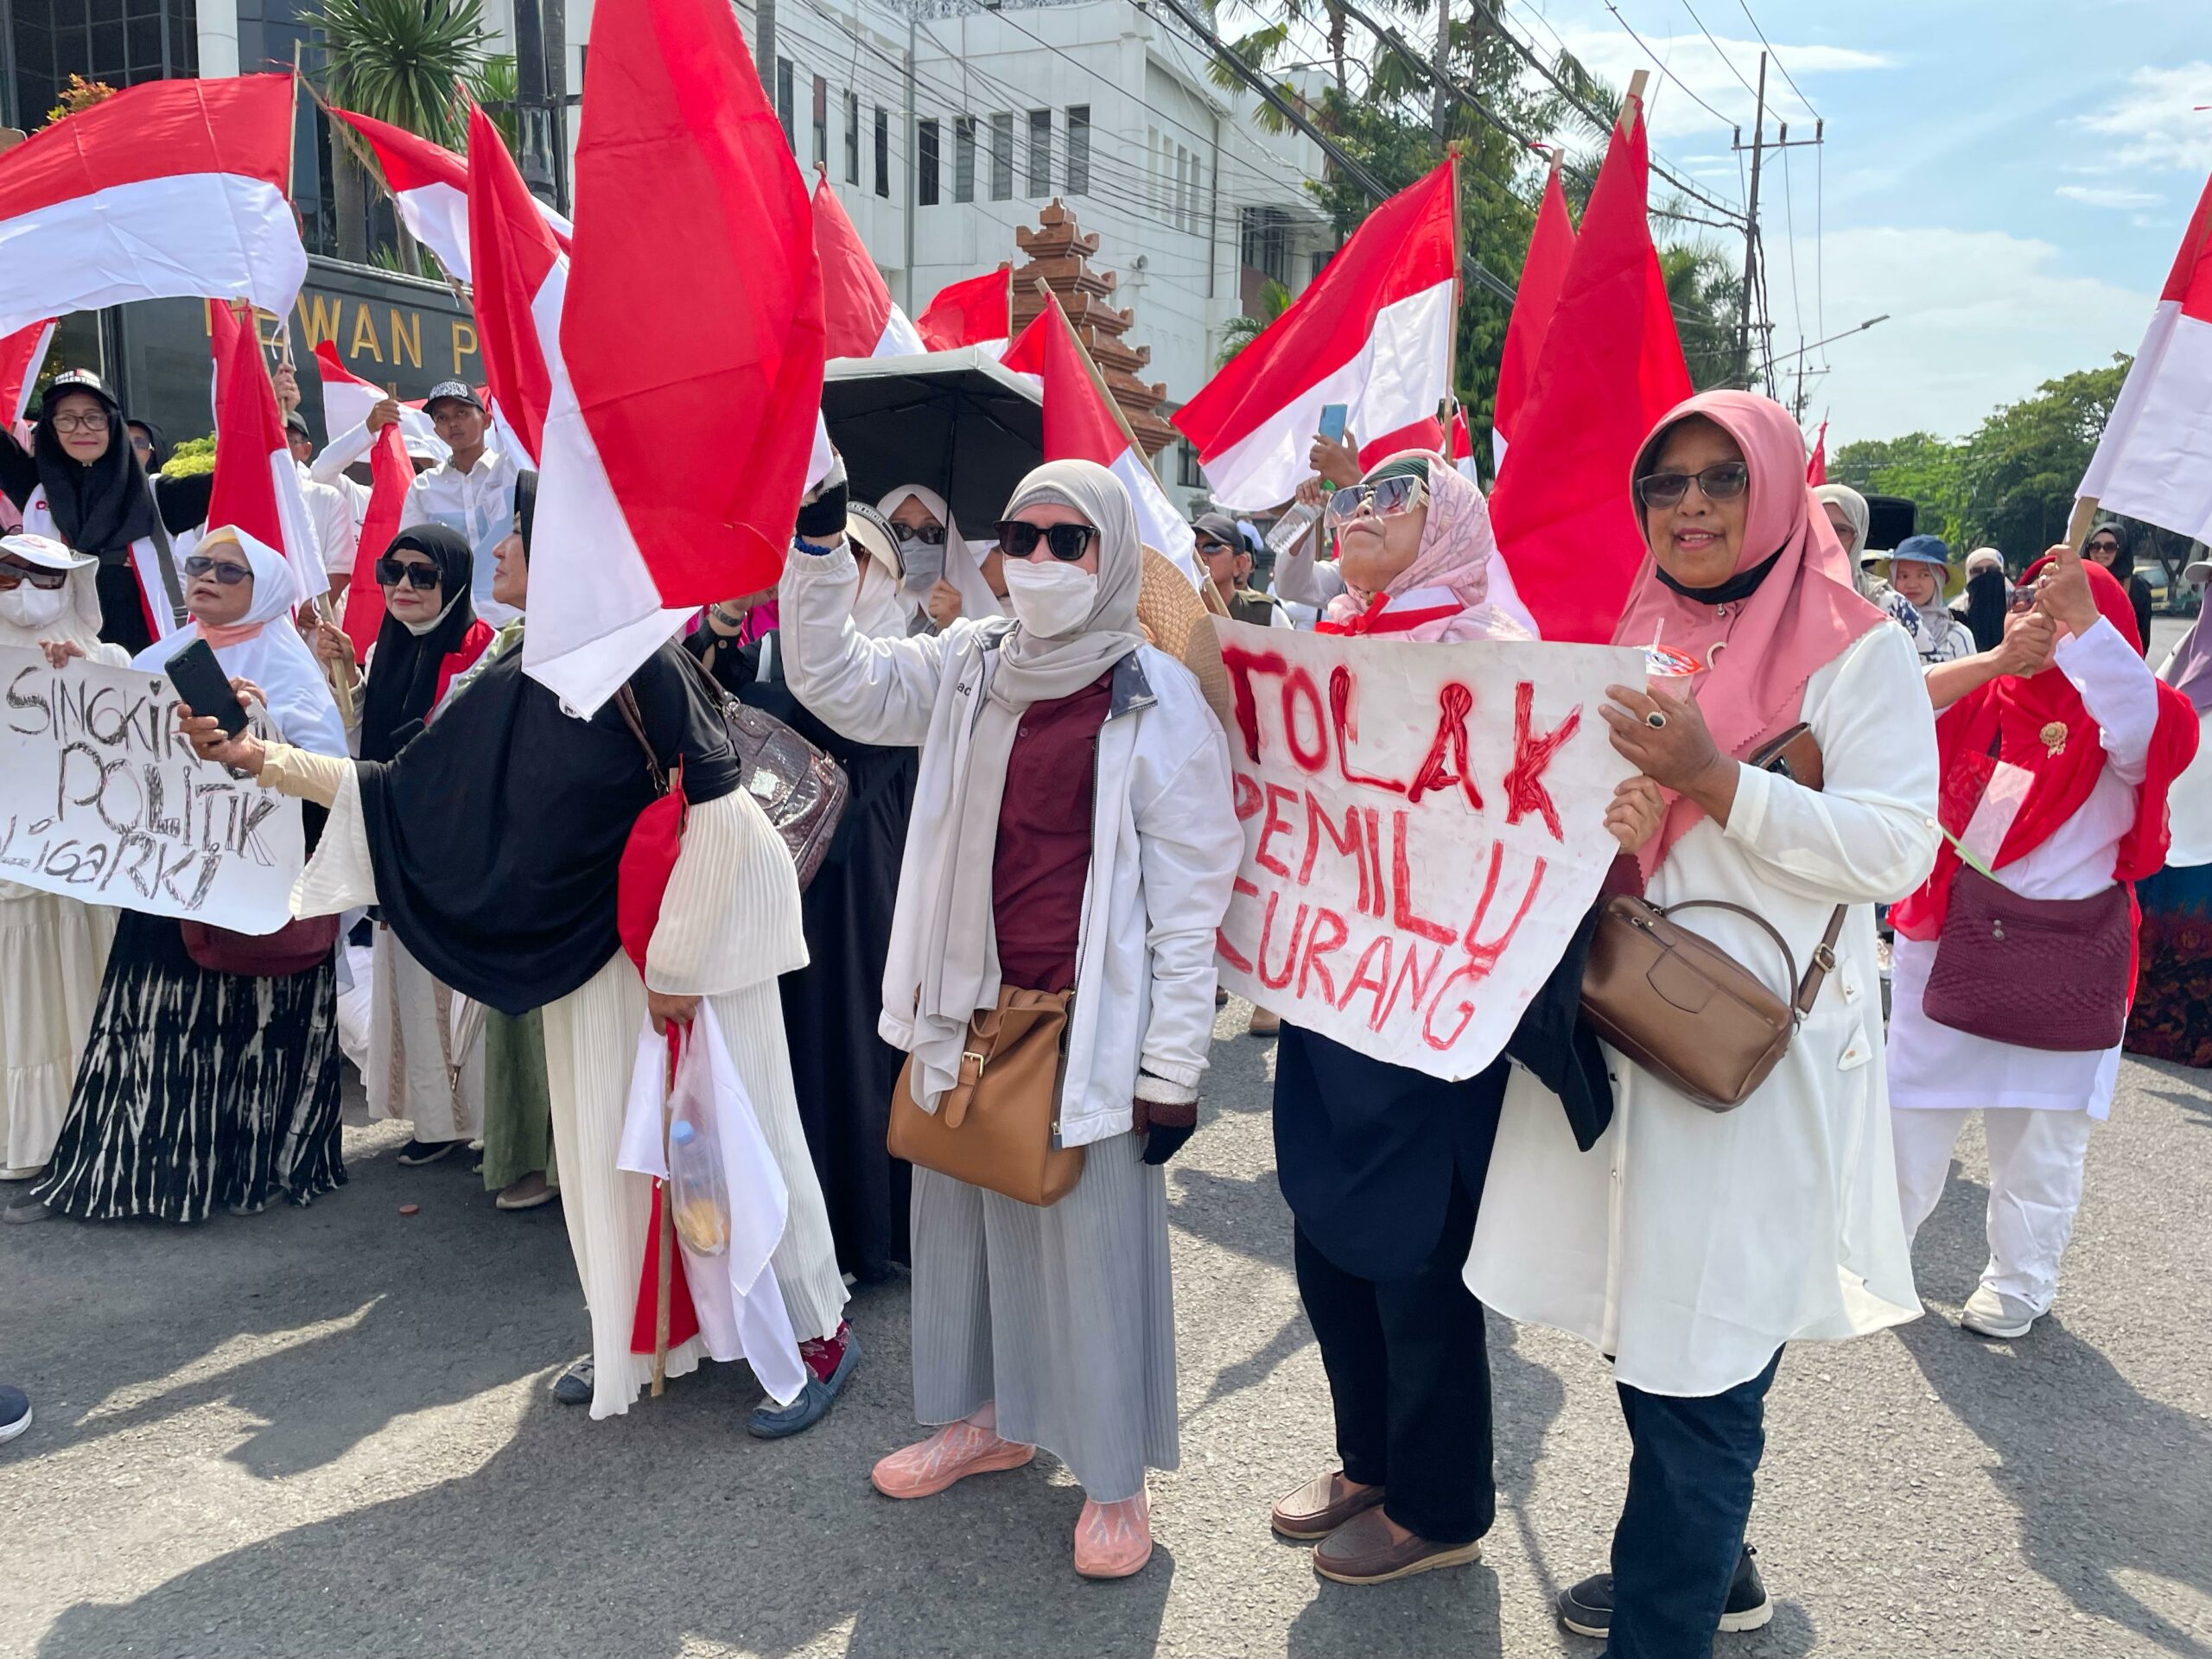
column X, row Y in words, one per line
column 198, row 1089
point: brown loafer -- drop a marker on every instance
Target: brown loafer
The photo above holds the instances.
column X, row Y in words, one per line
column 1321, row 1505
column 1363, row 1551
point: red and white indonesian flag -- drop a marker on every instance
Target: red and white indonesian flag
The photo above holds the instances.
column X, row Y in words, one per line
column 521, row 279
column 1081, row 423
column 857, row 308
column 2154, row 462
column 1462, row 452
column 677, row 443
column 347, row 399
column 977, row 312
column 21, row 353
column 1373, row 333
column 256, row 487
column 171, row 189
column 1543, row 273
column 429, row 187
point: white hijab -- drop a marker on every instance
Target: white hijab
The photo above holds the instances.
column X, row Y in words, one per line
column 976, row 598
column 960, row 951
column 78, row 623
column 274, row 656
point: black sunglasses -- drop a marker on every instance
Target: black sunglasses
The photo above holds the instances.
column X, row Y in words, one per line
column 1066, row 542
column 1723, row 481
column 932, row 534
column 229, row 574
column 392, row 572
column 1208, row 546
column 37, row 575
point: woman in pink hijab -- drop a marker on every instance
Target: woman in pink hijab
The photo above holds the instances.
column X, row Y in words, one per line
column 1688, row 1245
column 1414, row 542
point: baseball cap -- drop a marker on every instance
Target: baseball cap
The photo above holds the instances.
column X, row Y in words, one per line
column 297, row 423
column 459, row 392
column 44, row 551
column 1219, row 527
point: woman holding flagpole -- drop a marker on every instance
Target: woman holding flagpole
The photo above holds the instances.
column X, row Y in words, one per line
column 1689, row 1245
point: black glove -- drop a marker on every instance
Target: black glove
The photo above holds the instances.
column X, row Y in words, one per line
column 1166, row 1126
column 824, row 517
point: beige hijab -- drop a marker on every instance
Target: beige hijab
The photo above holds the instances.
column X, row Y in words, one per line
column 960, row 956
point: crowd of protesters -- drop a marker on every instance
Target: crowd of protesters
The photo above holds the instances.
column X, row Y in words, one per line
column 1040, row 835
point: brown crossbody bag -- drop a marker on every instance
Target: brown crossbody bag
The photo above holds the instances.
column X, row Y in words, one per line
column 1684, row 1010
column 998, row 1125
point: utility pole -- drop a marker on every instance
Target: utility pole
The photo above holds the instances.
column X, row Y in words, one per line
column 1443, row 105
column 1751, row 228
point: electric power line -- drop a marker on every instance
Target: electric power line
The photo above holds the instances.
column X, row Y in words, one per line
column 1716, row 52
column 1661, row 62
column 1776, row 56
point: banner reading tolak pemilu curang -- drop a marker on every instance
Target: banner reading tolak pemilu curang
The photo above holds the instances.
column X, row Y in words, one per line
column 1424, row 828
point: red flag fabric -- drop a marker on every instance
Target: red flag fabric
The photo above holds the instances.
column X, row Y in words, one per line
column 858, row 314
column 678, row 445
column 390, row 471
column 21, row 353
column 1543, row 273
column 1611, row 365
column 1816, row 469
column 429, row 187
column 256, row 486
column 976, row 312
column 1373, row 331
column 514, row 255
column 1081, row 424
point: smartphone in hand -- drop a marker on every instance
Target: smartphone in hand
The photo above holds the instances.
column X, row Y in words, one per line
column 200, row 680
column 1333, row 422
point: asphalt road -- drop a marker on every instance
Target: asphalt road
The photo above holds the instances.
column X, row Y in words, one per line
column 327, row 1432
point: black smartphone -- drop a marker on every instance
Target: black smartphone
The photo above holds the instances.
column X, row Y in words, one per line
column 200, row 680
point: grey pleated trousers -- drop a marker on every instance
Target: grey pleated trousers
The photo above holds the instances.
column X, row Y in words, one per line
column 1064, row 1316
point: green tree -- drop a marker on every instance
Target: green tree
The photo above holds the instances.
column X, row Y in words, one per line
column 1242, row 331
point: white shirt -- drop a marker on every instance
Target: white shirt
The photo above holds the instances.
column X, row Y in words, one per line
column 336, row 531
column 1691, row 1244
column 480, row 503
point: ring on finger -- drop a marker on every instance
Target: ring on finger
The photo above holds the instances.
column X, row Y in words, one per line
column 1655, row 719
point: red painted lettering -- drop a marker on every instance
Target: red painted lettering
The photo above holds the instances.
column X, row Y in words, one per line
column 1453, row 703
column 1248, row 794
column 1329, row 934
column 1228, row 953
column 1340, row 717
column 1375, row 856
column 1242, row 666
column 1299, row 691
column 1277, row 793
column 1276, row 981
column 1483, row 957
column 1403, row 914
column 1524, row 785
column 1351, row 842
column 1410, row 972
column 1378, row 981
column 1465, row 1010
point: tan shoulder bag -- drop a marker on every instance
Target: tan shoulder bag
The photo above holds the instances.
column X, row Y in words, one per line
column 998, row 1127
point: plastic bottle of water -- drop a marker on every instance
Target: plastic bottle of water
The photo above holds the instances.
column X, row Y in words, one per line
column 1289, row 530
column 697, row 1187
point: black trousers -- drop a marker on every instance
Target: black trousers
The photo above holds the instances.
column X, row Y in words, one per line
column 1410, row 1376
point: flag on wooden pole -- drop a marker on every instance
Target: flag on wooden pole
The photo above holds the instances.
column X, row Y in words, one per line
column 978, row 312
column 257, row 484
column 861, row 318
column 1535, row 296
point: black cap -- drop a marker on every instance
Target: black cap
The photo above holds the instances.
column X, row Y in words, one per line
column 77, row 380
column 297, row 423
column 457, row 392
column 1220, row 527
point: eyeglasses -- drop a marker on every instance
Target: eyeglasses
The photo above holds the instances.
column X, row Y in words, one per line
column 1723, row 481
column 229, row 574
column 931, row 534
column 2103, row 545
column 37, row 575
column 94, row 421
column 390, row 573
column 1067, row 543
column 143, row 446
column 1389, row 496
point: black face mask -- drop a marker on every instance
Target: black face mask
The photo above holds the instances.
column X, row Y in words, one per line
column 1740, row 586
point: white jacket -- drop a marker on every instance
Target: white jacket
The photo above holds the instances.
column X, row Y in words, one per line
column 1164, row 832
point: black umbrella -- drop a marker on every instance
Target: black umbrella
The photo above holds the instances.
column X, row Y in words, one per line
column 955, row 421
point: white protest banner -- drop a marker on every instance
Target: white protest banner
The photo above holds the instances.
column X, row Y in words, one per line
column 102, row 799
column 1424, row 828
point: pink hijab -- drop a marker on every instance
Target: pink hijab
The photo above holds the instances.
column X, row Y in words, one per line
column 1453, row 558
column 1759, row 651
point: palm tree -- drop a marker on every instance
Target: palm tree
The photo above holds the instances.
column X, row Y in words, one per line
column 1241, row 331
column 404, row 61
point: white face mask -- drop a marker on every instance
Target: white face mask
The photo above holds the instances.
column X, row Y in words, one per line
column 33, row 607
column 1050, row 600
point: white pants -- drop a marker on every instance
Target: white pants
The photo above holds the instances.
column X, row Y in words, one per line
column 2035, row 1187
column 410, row 1073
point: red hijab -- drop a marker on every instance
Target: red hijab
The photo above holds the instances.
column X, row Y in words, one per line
column 1759, row 651
column 2040, row 724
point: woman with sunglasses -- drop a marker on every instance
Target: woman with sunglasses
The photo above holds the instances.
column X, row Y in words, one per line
column 83, row 483
column 1689, row 1245
column 947, row 575
column 52, row 949
column 201, row 1089
column 1073, row 829
column 2108, row 546
column 430, row 634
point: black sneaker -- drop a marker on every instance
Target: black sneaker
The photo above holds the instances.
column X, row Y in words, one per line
column 1588, row 1608
column 574, row 1386
column 14, row 1413
column 417, row 1153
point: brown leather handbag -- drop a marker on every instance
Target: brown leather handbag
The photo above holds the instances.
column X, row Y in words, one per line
column 998, row 1127
column 1680, row 1006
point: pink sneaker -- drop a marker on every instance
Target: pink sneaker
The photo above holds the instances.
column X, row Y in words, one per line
column 954, row 1452
column 1113, row 1541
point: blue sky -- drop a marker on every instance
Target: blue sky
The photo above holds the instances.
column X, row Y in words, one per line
column 2009, row 181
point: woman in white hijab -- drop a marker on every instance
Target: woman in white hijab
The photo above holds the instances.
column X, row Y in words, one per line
column 52, row 949
column 947, row 575
column 201, row 1088
column 1073, row 829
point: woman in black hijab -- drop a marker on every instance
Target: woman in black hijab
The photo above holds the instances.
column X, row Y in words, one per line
column 2108, row 545
column 416, row 659
column 1989, row 592
column 82, row 483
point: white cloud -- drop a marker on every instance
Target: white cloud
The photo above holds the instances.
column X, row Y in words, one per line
column 2109, row 196
column 1613, row 57
column 1977, row 318
column 2156, row 123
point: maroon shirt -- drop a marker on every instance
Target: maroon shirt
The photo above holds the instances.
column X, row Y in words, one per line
column 1043, row 858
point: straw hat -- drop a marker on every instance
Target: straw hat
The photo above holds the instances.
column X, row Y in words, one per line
column 1174, row 617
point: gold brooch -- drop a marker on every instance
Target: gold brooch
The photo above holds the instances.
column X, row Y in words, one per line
column 2053, row 738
